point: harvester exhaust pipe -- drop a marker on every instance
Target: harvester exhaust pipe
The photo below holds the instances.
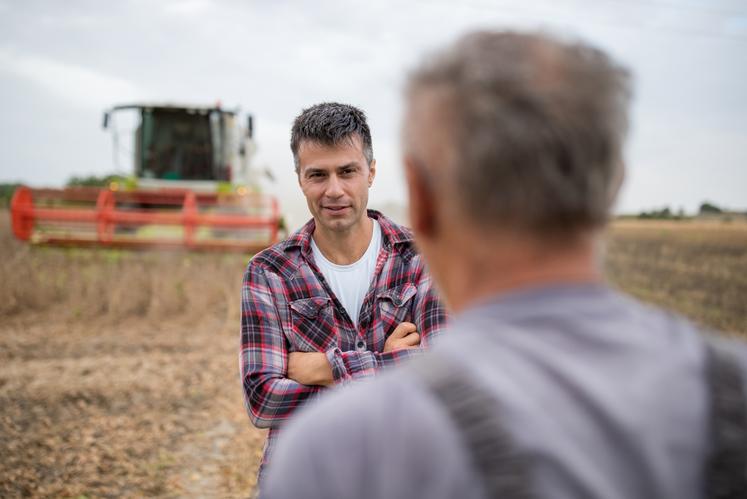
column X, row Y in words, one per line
column 249, row 126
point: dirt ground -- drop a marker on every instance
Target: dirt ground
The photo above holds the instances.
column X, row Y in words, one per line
column 119, row 375
column 119, row 371
column 698, row 269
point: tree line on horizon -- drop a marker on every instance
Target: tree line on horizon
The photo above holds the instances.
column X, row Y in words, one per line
column 706, row 208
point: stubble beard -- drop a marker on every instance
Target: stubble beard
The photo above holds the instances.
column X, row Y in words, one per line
column 341, row 225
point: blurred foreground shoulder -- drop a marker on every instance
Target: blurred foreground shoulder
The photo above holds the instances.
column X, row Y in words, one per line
column 371, row 440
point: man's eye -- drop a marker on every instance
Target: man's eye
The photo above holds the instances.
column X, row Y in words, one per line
column 348, row 171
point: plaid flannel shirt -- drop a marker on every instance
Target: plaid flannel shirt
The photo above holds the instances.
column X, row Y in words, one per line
column 287, row 306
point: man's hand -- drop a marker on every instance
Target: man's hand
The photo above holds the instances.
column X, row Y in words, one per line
column 310, row 368
column 404, row 336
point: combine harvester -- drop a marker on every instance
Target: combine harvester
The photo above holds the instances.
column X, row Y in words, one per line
column 192, row 188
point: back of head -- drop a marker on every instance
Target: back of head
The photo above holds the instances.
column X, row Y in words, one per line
column 536, row 127
column 331, row 124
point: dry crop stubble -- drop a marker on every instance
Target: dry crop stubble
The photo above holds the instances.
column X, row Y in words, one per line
column 698, row 269
column 119, row 374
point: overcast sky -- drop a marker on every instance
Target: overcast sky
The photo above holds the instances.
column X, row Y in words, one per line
column 63, row 63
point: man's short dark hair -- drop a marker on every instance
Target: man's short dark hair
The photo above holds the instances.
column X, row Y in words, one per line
column 330, row 124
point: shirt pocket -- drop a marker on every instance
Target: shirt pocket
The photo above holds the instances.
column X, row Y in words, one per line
column 395, row 306
column 313, row 325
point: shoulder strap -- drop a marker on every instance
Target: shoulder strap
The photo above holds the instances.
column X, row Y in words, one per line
column 505, row 472
column 726, row 472
column 475, row 414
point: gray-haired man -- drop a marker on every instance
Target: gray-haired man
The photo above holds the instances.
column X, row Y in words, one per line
column 550, row 384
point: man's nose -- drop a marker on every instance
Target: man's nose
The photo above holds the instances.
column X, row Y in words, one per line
column 334, row 187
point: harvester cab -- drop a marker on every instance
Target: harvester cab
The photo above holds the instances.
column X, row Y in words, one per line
column 192, row 186
column 200, row 148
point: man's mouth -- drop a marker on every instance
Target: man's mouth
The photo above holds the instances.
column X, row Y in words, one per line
column 335, row 208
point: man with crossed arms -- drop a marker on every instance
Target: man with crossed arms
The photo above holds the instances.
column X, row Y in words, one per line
column 342, row 297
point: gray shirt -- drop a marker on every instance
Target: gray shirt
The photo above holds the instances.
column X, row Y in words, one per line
column 606, row 397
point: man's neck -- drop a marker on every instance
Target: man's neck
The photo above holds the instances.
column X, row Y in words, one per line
column 344, row 247
column 516, row 266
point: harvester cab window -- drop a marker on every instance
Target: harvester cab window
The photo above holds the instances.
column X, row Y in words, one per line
column 179, row 144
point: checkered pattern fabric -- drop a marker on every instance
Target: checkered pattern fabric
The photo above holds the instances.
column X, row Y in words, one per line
column 287, row 306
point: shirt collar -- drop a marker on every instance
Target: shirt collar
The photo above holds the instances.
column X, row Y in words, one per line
column 392, row 233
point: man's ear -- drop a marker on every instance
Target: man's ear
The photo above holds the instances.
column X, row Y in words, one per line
column 421, row 199
column 371, row 172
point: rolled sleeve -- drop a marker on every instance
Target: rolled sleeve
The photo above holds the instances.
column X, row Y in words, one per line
column 347, row 366
column 428, row 311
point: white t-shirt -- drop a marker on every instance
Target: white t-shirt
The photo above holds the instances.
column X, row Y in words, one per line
column 350, row 283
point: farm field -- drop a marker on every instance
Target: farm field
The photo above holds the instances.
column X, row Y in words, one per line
column 119, row 374
column 698, row 269
column 119, row 371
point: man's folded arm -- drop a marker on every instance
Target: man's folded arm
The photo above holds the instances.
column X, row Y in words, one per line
column 354, row 365
column 270, row 396
column 429, row 316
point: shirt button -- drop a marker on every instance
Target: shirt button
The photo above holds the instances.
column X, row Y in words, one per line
column 361, row 345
